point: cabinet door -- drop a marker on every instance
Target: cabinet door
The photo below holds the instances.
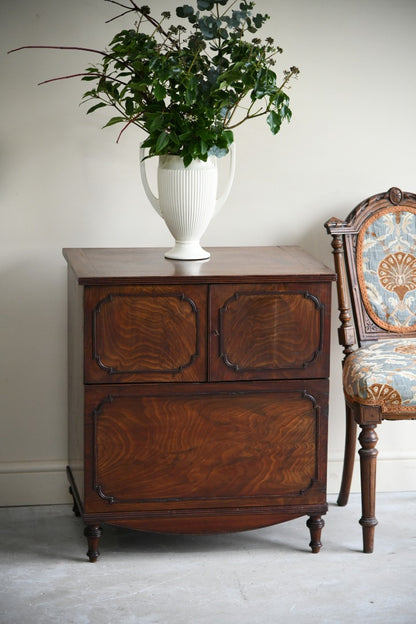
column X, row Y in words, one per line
column 169, row 447
column 155, row 333
column 269, row 331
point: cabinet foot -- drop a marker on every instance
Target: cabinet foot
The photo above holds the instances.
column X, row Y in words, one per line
column 315, row 524
column 93, row 533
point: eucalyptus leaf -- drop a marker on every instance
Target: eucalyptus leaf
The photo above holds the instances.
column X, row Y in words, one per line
column 205, row 5
column 184, row 11
column 219, row 152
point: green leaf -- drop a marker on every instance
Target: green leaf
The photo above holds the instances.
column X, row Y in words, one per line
column 94, row 108
column 157, row 123
column 129, row 106
column 191, row 91
column 162, row 141
column 187, row 159
column 229, row 136
column 159, row 91
column 89, row 78
column 203, row 147
column 90, row 94
column 275, row 121
column 113, row 121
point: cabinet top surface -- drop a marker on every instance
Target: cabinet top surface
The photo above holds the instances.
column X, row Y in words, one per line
column 97, row 266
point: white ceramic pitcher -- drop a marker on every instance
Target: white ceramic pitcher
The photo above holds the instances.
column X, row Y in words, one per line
column 187, row 200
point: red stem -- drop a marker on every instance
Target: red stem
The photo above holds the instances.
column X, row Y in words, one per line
column 126, row 126
column 49, row 47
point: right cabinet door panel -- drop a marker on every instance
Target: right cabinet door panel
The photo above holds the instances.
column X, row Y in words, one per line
column 269, row 331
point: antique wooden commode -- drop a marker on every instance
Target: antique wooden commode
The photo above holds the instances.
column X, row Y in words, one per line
column 198, row 391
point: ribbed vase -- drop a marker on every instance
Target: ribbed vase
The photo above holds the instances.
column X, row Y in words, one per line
column 187, row 200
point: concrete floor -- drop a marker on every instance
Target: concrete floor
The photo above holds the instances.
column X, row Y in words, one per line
column 266, row 576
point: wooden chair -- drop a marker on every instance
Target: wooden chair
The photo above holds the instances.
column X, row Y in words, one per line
column 375, row 260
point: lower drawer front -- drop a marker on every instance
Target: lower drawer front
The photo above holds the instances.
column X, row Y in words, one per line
column 203, row 446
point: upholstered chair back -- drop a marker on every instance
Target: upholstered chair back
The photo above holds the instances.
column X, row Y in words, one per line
column 378, row 240
column 386, row 267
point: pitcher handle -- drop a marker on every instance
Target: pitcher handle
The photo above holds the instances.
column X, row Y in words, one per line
column 152, row 198
column 223, row 198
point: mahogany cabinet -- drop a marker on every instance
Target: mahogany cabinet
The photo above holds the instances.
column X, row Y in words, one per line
column 198, row 391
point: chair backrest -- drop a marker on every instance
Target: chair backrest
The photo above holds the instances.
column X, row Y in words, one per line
column 375, row 260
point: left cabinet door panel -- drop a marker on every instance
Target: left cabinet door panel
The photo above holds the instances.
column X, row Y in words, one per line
column 145, row 334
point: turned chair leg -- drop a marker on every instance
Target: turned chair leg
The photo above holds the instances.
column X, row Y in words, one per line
column 349, row 457
column 368, row 465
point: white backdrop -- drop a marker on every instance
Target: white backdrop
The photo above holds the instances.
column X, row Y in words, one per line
column 65, row 182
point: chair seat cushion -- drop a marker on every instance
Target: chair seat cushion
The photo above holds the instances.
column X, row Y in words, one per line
column 383, row 374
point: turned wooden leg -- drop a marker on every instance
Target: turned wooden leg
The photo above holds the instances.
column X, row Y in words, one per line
column 349, row 456
column 315, row 524
column 368, row 464
column 93, row 533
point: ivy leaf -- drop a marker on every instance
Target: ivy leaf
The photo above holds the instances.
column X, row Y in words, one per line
column 159, row 92
column 228, row 136
column 275, row 121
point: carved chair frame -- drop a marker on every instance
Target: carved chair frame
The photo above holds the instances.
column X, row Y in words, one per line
column 358, row 329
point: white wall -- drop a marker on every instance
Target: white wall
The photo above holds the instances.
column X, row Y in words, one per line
column 64, row 182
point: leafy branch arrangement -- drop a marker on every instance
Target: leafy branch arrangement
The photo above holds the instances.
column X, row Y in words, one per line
column 188, row 89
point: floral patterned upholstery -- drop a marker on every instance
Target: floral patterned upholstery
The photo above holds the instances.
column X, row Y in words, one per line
column 383, row 374
column 386, row 268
